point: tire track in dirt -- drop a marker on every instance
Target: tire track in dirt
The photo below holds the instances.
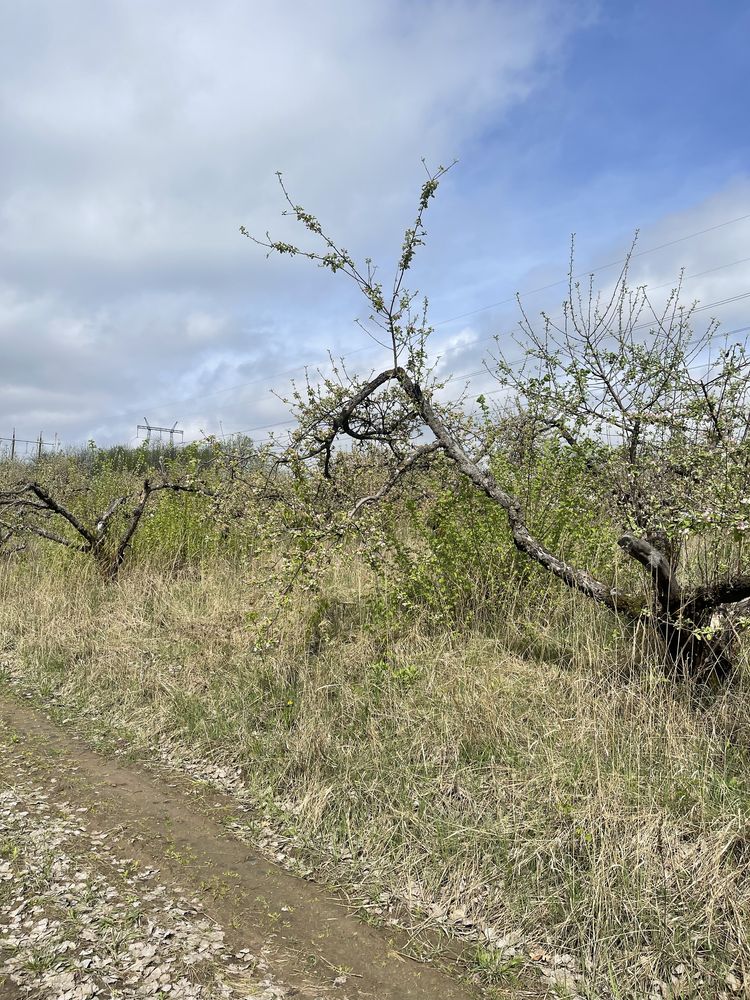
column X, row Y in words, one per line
column 312, row 942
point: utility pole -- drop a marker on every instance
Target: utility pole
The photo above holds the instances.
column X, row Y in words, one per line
column 33, row 447
column 151, row 428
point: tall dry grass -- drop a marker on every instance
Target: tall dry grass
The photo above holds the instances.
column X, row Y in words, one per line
column 534, row 781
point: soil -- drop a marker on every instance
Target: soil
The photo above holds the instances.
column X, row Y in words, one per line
column 311, row 944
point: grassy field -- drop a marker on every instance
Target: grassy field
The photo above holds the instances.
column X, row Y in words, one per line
column 528, row 782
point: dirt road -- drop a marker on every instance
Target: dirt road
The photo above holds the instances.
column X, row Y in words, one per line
column 117, row 882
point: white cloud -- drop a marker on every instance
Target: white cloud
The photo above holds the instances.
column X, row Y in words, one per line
column 203, row 328
column 137, row 137
column 714, row 260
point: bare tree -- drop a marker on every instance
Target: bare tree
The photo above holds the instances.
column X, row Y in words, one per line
column 34, row 511
column 615, row 380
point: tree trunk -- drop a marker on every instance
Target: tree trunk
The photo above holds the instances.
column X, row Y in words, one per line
column 703, row 652
column 699, row 627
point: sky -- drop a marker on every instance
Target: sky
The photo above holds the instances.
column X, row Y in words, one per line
column 137, row 137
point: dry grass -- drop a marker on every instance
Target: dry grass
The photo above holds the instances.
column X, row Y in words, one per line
column 521, row 780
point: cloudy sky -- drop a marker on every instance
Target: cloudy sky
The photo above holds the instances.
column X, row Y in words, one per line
column 137, row 138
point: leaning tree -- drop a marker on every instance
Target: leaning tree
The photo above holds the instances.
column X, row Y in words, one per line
column 658, row 413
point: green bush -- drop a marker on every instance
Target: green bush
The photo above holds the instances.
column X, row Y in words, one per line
column 451, row 559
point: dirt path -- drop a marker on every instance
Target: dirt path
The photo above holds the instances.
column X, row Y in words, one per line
column 261, row 932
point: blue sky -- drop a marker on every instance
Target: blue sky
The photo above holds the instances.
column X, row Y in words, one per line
column 657, row 87
column 649, row 106
column 138, row 137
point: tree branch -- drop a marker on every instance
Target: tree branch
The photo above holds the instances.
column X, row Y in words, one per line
column 103, row 523
column 138, row 512
column 51, row 504
column 658, row 565
column 52, row 537
column 576, row 579
column 409, row 462
column 726, row 592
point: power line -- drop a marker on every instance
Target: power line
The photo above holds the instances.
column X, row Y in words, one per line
column 700, row 274
column 290, row 371
column 600, row 267
column 643, row 326
column 482, row 371
column 301, row 367
column 281, row 423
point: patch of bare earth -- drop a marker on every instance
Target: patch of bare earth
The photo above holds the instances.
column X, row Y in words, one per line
column 114, row 883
